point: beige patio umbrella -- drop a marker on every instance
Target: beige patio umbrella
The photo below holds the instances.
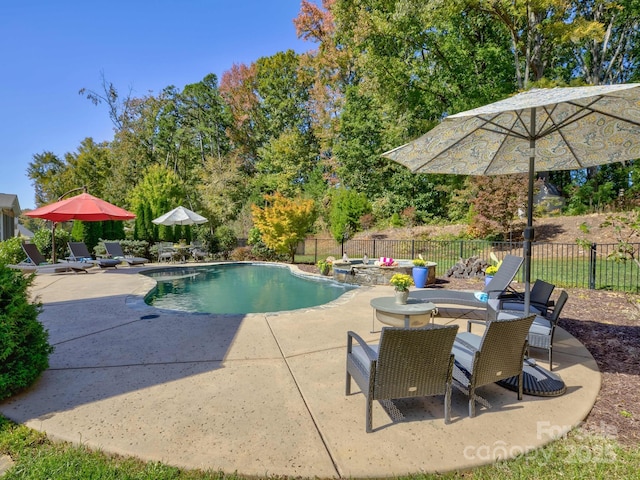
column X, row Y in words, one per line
column 180, row 216
column 537, row 130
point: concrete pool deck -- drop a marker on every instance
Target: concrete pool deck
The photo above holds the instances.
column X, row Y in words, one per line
column 261, row 394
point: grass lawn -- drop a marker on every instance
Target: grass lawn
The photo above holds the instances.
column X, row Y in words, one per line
column 575, row 456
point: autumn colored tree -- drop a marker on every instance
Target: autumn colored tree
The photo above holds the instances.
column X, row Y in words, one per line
column 496, row 204
column 284, row 222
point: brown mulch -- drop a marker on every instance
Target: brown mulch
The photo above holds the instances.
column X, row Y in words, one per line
column 608, row 324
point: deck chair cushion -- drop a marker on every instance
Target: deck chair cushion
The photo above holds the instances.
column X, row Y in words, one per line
column 540, row 325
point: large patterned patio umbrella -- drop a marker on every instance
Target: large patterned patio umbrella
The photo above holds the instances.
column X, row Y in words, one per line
column 538, row 130
column 83, row 207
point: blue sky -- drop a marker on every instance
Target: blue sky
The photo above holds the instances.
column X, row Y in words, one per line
column 52, row 49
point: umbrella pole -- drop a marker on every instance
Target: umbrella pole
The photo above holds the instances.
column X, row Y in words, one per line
column 528, row 231
column 53, row 242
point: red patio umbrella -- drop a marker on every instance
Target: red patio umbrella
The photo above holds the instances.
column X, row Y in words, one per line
column 83, row 207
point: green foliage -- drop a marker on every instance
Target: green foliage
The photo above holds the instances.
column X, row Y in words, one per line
column 347, row 207
column 91, row 232
column 135, row 248
column 11, row 251
column 42, row 240
column 626, row 227
column 159, row 191
column 24, row 347
column 224, row 240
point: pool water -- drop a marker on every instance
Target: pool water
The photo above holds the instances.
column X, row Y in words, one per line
column 239, row 288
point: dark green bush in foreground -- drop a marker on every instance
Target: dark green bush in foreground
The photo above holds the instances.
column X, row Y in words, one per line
column 24, row 347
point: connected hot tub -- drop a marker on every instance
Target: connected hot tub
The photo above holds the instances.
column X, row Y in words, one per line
column 355, row 272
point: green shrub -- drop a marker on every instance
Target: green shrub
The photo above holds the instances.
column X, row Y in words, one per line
column 24, row 347
column 224, row 240
column 11, row 251
column 42, row 240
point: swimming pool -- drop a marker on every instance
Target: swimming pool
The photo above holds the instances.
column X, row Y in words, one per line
column 239, row 288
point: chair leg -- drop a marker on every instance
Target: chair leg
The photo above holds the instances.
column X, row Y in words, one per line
column 472, row 402
column 550, row 358
column 520, row 381
column 369, row 414
column 447, row 404
column 347, row 390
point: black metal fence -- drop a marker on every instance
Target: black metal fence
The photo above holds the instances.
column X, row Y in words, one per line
column 567, row 265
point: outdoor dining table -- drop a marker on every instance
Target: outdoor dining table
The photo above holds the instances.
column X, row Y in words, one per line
column 182, row 250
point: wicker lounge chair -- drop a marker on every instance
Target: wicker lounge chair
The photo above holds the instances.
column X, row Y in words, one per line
column 36, row 262
column 497, row 355
column 408, row 362
column 542, row 329
column 114, row 250
column 539, row 300
column 497, row 286
column 80, row 253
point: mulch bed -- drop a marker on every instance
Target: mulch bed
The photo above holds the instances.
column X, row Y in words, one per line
column 608, row 324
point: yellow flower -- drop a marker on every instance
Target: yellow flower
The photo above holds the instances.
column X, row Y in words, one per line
column 491, row 270
column 401, row 282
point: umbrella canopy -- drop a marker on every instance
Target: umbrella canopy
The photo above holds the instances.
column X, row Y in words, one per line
column 180, row 216
column 83, row 207
column 538, row 130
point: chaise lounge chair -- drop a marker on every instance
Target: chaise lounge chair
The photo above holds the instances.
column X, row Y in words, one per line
column 80, row 253
column 36, row 263
column 408, row 362
column 114, row 249
column 538, row 303
column 496, row 287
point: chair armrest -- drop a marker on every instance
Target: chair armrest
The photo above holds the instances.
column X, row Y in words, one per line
column 479, row 322
column 371, row 354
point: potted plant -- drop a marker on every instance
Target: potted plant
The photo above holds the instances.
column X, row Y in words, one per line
column 419, row 272
column 324, row 266
column 401, row 283
column 489, row 272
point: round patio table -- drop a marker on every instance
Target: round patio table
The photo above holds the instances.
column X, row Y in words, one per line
column 415, row 313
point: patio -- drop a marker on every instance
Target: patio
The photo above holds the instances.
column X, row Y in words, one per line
column 260, row 394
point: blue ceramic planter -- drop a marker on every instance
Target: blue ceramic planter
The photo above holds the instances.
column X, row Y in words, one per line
column 419, row 275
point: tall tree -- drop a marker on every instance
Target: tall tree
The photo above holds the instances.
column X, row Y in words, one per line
column 45, row 172
column 159, row 191
column 613, row 53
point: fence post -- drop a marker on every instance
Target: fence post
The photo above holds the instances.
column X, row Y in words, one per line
column 315, row 252
column 342, row 247
column 413, row 249
column 461, row 249
column 374, row 249
column 592, row 266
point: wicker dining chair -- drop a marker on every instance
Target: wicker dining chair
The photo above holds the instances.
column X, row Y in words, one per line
column 408, row 362
column 497, row 355
column 542, row 329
